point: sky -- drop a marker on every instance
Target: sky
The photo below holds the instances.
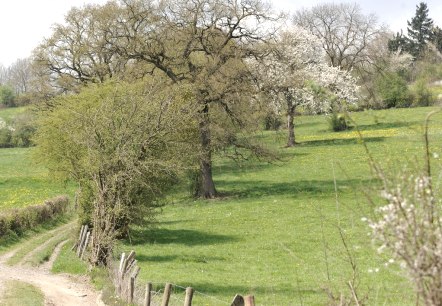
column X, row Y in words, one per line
column 25, row 23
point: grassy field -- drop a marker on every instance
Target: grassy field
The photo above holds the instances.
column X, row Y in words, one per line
column 275, row 232
column 22, row 181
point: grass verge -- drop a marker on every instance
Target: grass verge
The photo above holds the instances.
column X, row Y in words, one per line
column 23, row 294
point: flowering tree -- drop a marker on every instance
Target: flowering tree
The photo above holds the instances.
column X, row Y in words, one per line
column 295, row 73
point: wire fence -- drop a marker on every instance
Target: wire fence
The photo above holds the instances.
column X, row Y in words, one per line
column 164, row 294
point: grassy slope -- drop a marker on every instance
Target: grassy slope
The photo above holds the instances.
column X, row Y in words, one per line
column 22, row 182
column 266, row 236
column 8, row 114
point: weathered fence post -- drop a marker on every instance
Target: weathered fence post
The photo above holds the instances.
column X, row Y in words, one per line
column 189, row 296
column 120, row 273
column 82, row 237
column 147, row 295
column 249, row 300
column 131, row 289
column 85, row 244
column 238, row 300
column 166, row 295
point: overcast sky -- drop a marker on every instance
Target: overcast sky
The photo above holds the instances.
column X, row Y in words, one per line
column 24, row 23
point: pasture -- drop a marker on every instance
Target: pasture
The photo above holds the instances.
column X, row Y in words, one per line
column 23, row 181
column 275, row 231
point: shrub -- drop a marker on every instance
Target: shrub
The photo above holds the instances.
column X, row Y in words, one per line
column 393, row 90
column 7, row 97
column 24, row 130
column 422, row 95
column 19, row 220
column 338, row 122
column 5, row 137
column 272, row 122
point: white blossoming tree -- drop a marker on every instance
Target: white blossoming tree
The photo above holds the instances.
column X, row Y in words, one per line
column 295, row 73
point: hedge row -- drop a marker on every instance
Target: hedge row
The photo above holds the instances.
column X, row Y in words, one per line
column 19, row 220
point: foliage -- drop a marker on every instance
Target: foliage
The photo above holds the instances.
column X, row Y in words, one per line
column 338, row 122
column 420, row 33
column 24, row 130
column 272, row 122
column 202, row 43
column 421, row 93
column 294, row 72
column 122, row 143
column 409, row 224
column 7, row 96
column 19, row 220
column 419, row 30
column 393, row 90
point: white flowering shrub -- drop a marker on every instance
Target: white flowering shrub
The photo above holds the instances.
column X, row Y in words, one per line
column 409, row 226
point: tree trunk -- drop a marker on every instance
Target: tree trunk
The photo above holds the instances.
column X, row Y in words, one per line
column 291, row 130
column 290, row 122
column 206, row 187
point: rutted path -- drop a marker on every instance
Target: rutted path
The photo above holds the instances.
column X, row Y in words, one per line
column 58, row 289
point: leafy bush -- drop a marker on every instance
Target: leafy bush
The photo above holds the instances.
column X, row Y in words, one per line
column 338, row 122
column 19, row 220
column 393, row 90
column 7, row 97
column 422, row 95
column 272, row 122
column 24, row 130
column 5, row 137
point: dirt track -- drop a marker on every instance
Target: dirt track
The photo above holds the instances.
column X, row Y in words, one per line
column 59, row 289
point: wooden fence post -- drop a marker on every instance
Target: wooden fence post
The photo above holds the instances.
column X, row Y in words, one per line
column 80, row 242
column 85, row 244
column 147, row 295
column 131, row 289
column 166, row 295
column 238, row 300
column 189, row 296
column 120, row 273
column 249, row 300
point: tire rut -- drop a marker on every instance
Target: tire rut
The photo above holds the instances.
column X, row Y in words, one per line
column 58, row 289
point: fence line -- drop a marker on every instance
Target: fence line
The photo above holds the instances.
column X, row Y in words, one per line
column 126, row 287
column 128, row 271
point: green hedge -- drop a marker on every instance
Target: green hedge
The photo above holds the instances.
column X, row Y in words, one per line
column 19, row 220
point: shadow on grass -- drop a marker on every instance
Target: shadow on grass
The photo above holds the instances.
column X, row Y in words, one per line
column 385, row 125
column 346, row 141
column 179, row 258
column 257, row 165
column 257, row 189
column 179, row 236
column 279, row 289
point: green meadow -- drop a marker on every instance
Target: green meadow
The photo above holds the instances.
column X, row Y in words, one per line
column 276, row 232
column 22, row 180
column 285, row 231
